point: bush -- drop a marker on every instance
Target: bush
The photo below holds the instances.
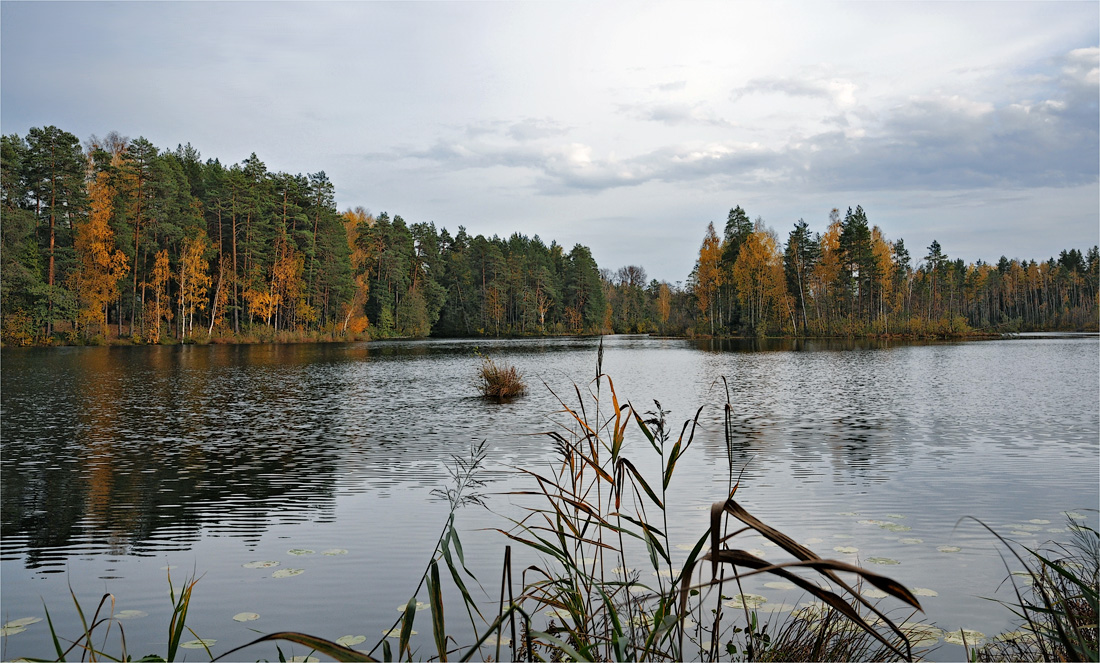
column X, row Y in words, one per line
column 499, row 381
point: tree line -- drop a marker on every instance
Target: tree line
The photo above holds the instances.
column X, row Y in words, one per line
column 114, row 238
column 852, row 280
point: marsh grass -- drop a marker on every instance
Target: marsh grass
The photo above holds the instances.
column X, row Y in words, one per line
column 499, row 382
column 1058, row 613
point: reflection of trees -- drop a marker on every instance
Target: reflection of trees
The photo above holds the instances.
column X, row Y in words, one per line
column 137, row 449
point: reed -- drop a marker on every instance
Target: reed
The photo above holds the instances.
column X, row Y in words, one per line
column 499, row 382
column 1058, row 613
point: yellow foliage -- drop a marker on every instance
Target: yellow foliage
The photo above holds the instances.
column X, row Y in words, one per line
column 100, row 271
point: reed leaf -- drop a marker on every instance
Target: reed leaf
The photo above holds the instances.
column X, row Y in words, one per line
column 327, row 647
column 435, row 597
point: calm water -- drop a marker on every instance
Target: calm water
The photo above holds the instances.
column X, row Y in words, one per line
column 120, row 462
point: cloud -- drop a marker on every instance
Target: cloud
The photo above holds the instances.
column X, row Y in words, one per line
column 839, row 91
column 674, row 114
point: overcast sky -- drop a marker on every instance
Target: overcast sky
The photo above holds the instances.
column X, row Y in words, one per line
column 623, row 126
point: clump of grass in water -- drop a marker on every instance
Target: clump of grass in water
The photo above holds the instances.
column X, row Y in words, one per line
column 499, row 382
column 1058, row 613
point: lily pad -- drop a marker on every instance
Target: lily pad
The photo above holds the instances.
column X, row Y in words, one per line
column 842, row 536
column 756, row 552
column 921, row 635
column 848, row 513
column 895, row 516
column 262, row 564
column 201, row 643
column 494, row 640
column 303, row 659
column 883, row 560
column 286, row 573
column 1016, row 636
column 746, row 601
column 1019, row 532
column 420, row 605
column 811, row 611
column 910, row 541
column 894, row 527
column 1039, row 521
column 131, row 614
column 814, row 540
column 874, row 593
column 948, row 549
column 395, row 633
column 641, row 620
column 560, row 613
column 776, row 607
column 25, row 621
column 1075, row 515
column 847, row 550
column 245, row 617
column 6, row 630
column 332, row 552
column 351, row 640
column 973, row 638
column 923, row 591
column 299, row 551
column 779, row 585
column 872, row 522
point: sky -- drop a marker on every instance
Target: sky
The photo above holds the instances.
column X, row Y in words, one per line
column 623, row 126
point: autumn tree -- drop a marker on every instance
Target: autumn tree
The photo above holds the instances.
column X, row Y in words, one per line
column 101, row 264
column 708, row 275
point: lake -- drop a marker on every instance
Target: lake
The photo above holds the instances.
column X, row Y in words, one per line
column 123, row 465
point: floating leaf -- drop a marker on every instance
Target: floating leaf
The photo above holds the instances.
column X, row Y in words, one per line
column 494, row 640
column 883, row 560
column 395, row 633
column 303, row 659
column 776, row 607
column 1075, row 515
column 622, row 571
column 638, row 590
column 848, row 550
column 848, row 513
column 332, row 552
column 894, row 527
column 842, row 536
column 973, row 638
column 1016, row 636
column 814, row 540
column 1018, row 532
column 895, row 516
column 756, row 552
column 299, row 551
column 201, row 643
column 245, row 617
column 1039, row 521
column 1058, row 530
column 286, row 573
column 6, row 630
column 685, row 546
column 746, row 601
column 948, row 549
column 923, row 591
column 641, row 620
column 560, row 613
column 874, row 593
column 351, row 640
column 131, row 614
column 25, row 621
column 872, row 522
column 779, row 585
column 420, row 605
column 910, row 541
column 811, row 611
column 263, row 564
column 921, row 635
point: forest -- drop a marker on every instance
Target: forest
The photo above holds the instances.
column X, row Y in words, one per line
column 115, row 240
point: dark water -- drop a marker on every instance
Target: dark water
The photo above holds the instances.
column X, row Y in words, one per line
column 120, row 462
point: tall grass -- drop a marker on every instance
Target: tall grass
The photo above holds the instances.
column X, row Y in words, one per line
column 1058, row 612
column 499, row 382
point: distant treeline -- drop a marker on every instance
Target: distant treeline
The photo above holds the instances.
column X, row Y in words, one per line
column 116, row 239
